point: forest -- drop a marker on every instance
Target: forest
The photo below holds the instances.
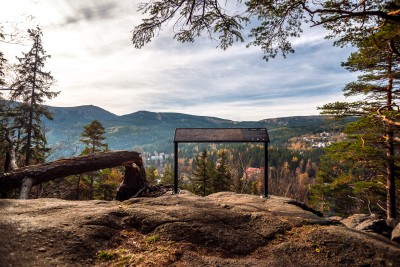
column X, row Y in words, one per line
column 357, row 173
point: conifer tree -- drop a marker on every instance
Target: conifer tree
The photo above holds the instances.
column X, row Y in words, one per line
column 277, row 22
column 350, row 178
column 222, row 180
column 203, row 174
column 31, row 88
column 3, row 124
column 93, row 137
column 378, row 62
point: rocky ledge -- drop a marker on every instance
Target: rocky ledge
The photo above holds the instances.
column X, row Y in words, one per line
column 223, row 229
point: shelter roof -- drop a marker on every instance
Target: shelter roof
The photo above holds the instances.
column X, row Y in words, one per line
column 216, row 135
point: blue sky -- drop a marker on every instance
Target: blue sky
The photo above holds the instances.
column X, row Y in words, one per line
column 94, row 62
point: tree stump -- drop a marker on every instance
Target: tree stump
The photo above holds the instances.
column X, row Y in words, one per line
column 26, row 188
column 134, row 181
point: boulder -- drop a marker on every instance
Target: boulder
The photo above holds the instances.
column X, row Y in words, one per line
column 334, row 219
column 396, row 233
column 368, row 223
column 355, row 219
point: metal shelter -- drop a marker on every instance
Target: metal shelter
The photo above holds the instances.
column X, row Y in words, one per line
column 222, row 135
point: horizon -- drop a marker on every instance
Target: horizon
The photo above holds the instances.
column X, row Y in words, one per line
column 93, row 59
column 190, row 114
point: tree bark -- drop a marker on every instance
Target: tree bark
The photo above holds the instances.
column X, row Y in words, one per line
column 65, row 167
column 134, row 181
column 390, row 164
column 77, row 187
column 35, row 70
column 26, row 187
column 91, row 185
column 11, row 160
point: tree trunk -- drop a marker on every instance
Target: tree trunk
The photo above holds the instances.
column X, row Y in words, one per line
column 390, row 164
column 91, row 186
column 65, row 167
column 11, row 160
column 26, row 187
column 77, row 186
column 390, row 180
column 134, row 181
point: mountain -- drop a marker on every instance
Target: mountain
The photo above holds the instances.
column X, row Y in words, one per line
column 151, row 131
column 81, row 114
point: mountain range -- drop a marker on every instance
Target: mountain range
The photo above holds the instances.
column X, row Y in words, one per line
column 154, row 131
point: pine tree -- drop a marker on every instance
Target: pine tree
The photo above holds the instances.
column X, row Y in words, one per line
column 277, row 23
column 350, row 178
column 93, row 137
column 222, row 181
column 379, row 62
column 31, row 89
column 3, row 121
column 203, row 174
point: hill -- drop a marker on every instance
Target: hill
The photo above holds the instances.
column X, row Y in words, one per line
column 222, row 229
column 154, row 131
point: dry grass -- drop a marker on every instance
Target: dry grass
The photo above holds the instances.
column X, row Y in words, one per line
column 131, row 248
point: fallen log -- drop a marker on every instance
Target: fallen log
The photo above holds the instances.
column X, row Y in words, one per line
column 37, row 174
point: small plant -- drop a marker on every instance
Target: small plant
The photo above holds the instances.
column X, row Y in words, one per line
column 152, row 239
column 106, row 255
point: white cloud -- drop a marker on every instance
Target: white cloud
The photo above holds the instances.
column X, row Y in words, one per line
column 95, row 63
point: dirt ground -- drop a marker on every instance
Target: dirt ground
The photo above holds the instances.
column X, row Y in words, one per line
column 223, row 229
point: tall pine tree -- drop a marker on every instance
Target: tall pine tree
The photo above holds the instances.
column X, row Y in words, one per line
column 93, row 137
column 222, row 181
column 378, row 61
column 31, row 88
column 203, row 174
column 3, row 121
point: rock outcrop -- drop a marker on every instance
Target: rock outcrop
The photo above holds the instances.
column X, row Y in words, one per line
column 369, row 223
column 396, row 234
column 223, row 229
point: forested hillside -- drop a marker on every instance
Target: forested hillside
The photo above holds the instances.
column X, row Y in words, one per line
column 296, row 147
column 149, row 131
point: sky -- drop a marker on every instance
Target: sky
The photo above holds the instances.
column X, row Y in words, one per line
column 95, row 63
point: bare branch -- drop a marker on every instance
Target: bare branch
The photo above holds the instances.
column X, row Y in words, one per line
column 384, row 117
column 381, row 14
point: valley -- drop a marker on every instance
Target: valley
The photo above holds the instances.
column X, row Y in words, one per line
column 153, row 132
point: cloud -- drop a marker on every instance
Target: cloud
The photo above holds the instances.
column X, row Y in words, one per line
column 71, row 12
column 95, row 63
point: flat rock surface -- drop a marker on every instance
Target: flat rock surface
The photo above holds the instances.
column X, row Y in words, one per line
column 223, row 229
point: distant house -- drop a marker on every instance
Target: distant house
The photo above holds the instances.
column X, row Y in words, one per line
column 321, row 144
column 252, row 173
